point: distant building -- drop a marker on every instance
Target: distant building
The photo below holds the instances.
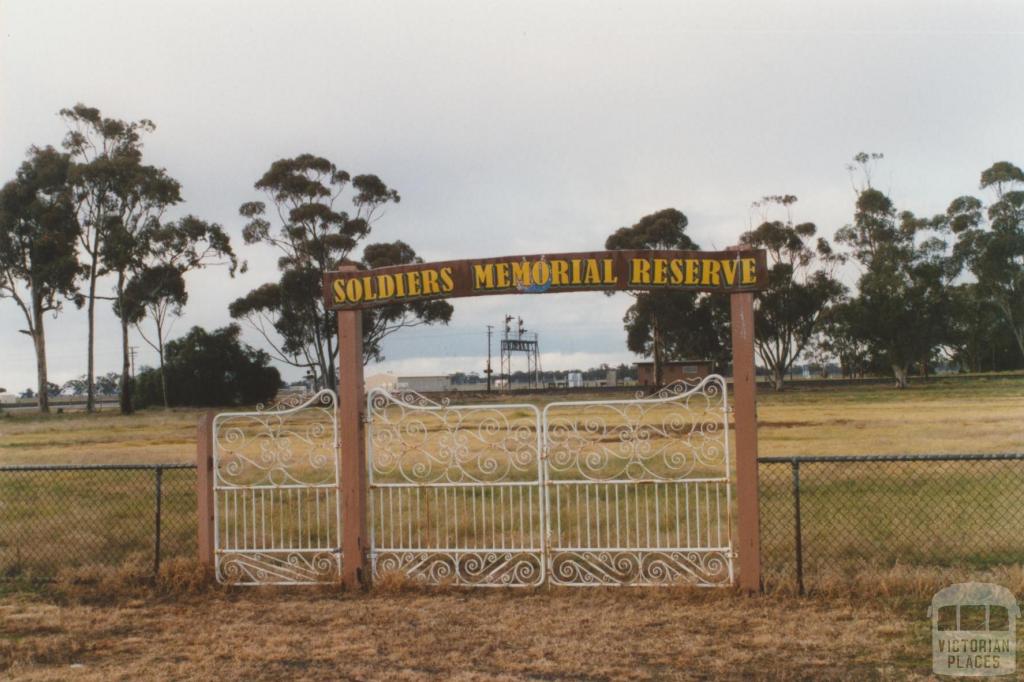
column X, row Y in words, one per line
column 677, row 370
column 8, row 398
column 426, row 384
column 382, row 380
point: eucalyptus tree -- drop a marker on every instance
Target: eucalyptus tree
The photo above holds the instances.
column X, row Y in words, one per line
column 801, row 286
column 994, row 253
column 315, row 216
column 38, row 237
column 117, row 198
column 902, row 306
column 660, row 324
column 157, row 289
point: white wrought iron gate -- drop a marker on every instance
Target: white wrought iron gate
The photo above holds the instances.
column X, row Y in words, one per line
column 615, row 492
column 455, row 492
column 277, row 512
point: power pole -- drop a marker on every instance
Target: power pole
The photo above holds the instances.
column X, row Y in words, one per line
column 131, row 352
column 489, row 371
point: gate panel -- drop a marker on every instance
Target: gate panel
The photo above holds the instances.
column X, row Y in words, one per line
column 277, row 513
column 638, row 491
column 455, row 491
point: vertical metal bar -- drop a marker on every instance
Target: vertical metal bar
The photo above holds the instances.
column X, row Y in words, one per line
column 797, row 528
column 158, row 492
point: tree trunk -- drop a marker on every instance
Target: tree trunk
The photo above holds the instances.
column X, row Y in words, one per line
column 126, row 377
column 39, row 340
column 900, row 372
column 778, row 378
column 163, row 378
column 90, row 381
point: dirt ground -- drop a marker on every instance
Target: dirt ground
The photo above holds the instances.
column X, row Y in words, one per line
column 479, row 635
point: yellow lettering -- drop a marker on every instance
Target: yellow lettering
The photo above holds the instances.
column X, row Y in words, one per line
column 593, row 274
column 521, row 273
column 691, row 270
column 483, row 276
column 414, row 283
column 576, row 271
column 639, row 271
column 447, row 284
column 609, row 272
column 430, row 285
column 354, row 290
column 502, row 270
column 559, row 273
column 749, row 269
column 675, row 271
column 541, row 272
column 399, row 286
column 339, row 290
column 729, row 271
column 385, row 286
column 712, row 268
column 368, row 289
column 659, row 272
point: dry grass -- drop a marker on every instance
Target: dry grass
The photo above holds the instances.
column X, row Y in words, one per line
column 117, row 626
column 951, row 416
column 867, row 624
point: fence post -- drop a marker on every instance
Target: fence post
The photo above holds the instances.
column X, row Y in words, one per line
column 204, row 489
column 351, row 429
column 797, row 528
column 744, row 384
column 158, row 493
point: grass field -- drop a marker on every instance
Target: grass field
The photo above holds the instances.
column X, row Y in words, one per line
column 857, row 623
column 952, row 416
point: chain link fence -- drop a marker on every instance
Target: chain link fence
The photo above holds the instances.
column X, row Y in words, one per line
column 53, row 517
column 850, row 513
column 818, row 514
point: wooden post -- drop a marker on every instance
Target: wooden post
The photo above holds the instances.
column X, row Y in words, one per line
column 744, row 385
column 204, row 489
column 351, row 409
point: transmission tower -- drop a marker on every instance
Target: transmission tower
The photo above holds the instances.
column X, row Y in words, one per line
column 521, row 342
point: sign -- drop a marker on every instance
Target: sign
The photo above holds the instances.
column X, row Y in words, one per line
column 644, row 270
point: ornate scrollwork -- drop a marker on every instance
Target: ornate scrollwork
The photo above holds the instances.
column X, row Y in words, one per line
column 486, row 568
column 640, row 567
column 265, row 568
column 679, row 431
column 291, row 443
column 415, row 440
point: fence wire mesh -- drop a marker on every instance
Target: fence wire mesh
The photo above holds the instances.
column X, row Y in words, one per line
column 842, row 514
column 55, row 517
column 854, row 513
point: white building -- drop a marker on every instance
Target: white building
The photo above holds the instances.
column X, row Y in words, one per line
column 426, row 384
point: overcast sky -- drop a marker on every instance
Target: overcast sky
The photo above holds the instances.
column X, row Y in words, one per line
column 516, row 127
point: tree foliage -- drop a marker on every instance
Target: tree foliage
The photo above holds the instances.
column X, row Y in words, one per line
column 117, row 198
column 305, row 221
column 38, row 238
column 902, row 305
column 664, row 324
column 801, row 286
column 157, row 287
column 210, row 369
column 994, row 253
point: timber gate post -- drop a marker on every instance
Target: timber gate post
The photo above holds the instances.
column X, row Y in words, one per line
column 352, row 435
column 204, row 489
column 744, row 378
